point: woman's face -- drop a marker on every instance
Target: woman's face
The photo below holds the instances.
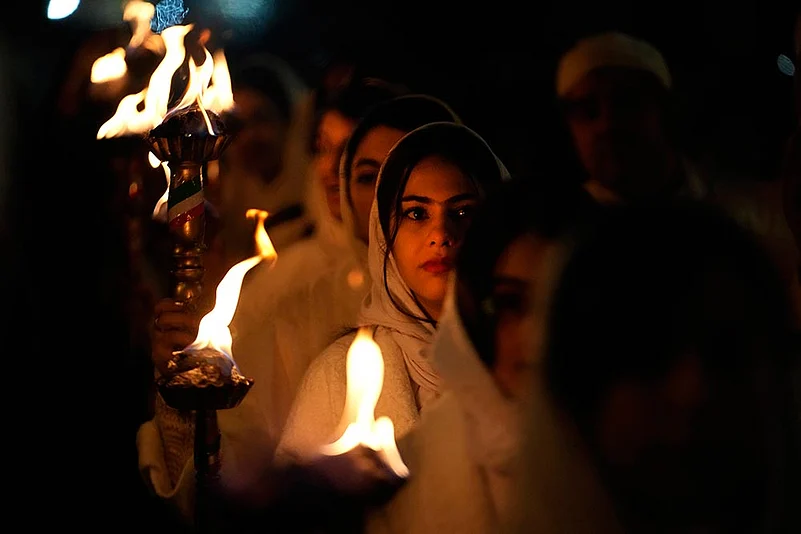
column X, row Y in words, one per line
column 367, row 160
column 437, row 206
column 512, row 281
column 332, row 134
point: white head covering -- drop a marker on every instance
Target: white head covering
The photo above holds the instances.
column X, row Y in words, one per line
column 242, row 189
column 332, row 233
column 610, row 49
column 414, row 336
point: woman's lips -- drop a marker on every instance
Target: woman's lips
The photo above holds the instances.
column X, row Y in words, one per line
column 438, row 266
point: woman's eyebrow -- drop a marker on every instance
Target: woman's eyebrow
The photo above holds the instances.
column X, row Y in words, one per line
column 427, row 200
column 367, row 162
column 417, row 198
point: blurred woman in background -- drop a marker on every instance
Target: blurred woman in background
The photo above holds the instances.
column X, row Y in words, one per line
column 664, row 399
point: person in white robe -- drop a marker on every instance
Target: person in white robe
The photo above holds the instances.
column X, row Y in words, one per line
column 427, row 189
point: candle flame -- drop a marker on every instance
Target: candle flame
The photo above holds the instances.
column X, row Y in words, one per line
column 213, row 330
column 365, row 376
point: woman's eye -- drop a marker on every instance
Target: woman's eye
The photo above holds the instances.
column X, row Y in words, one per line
column 366, row 179
column 415, row 214
column 463, row 212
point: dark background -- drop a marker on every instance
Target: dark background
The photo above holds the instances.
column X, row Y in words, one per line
column 77, row 396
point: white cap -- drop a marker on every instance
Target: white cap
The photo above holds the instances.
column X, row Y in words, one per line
column 609, row 50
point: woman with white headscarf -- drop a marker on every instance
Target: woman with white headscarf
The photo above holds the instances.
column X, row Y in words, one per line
column 309, row 316
column 427, row 190
column 463, row 453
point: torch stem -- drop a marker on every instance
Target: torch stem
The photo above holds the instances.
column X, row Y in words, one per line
column 207, row 468
column 187, row 223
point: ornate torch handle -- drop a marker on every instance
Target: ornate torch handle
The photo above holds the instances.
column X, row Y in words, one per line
column 187, row 223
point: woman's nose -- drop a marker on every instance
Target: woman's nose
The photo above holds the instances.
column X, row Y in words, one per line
column 442, row 233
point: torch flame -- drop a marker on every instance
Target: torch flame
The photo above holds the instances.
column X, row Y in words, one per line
column 199, row 79
column 139, row 14
column 213, row 329
column 138, row 113
column 112, row 66
column 365, row 375
column 219, row 96
column 109, row 67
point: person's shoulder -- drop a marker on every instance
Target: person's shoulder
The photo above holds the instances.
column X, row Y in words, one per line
column 334, row 356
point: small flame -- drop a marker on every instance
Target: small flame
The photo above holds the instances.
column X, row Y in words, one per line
column 160, row 211
column 365, row 375
column 109, row 67
column 213, row 329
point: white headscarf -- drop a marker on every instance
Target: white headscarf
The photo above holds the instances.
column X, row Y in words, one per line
column 241, row 189
column 333, row 234
column 414, row 336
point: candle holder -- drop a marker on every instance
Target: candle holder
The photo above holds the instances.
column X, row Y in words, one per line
column 200, row 380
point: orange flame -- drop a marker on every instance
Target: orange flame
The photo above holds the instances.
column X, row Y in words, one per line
column 139, row 14
column 109, row 67
column 213, row 330
column 113, row 66
column 365, row 375
column 209, row 86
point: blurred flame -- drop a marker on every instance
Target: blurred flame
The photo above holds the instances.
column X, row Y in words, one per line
column 112, row 66
column 139, row 14
column 109, row 67
column 365, row 376
column 160, row 211
column 213, row 329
